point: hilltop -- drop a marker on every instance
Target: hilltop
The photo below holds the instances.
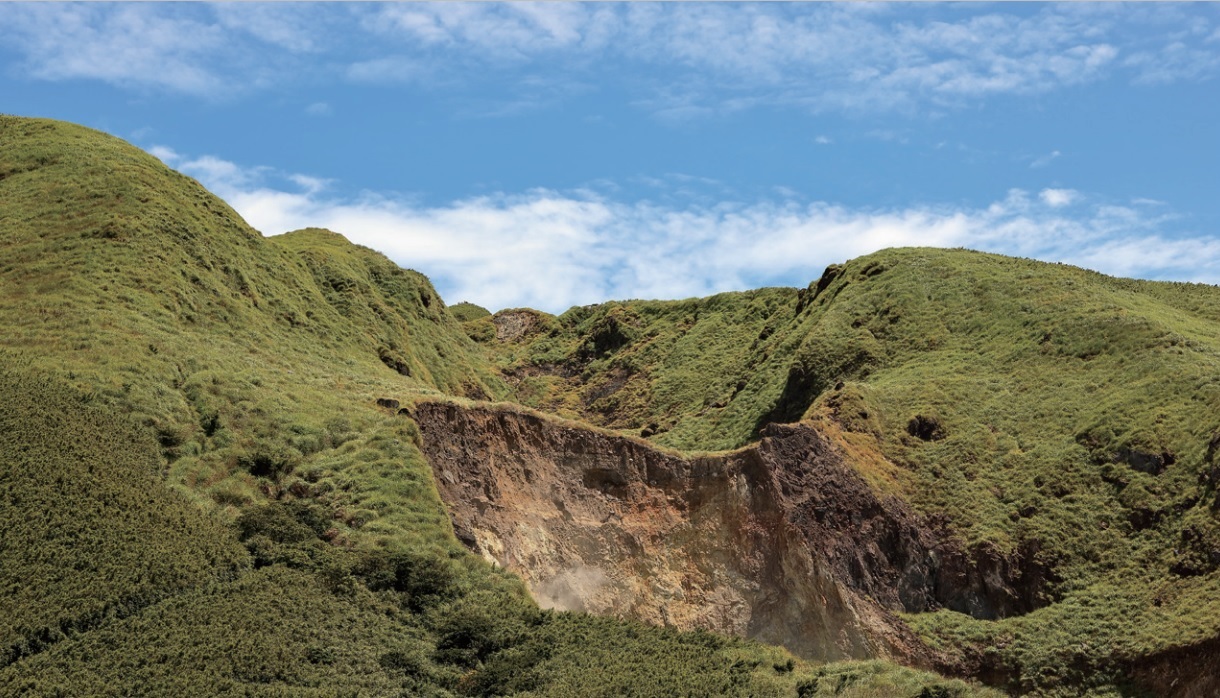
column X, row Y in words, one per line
column 996, row 468
column 1057, row 423
column 212, row 487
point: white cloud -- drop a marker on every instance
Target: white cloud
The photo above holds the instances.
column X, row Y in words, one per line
column 819, row 57
column 220, row 175
column 165, row 154
column 127, row 45
column 550, row 249
column 506, row 31
column 1057, row 198
column 311, row 185
column 212, row 51
column 1173, row 62
column 296, row 30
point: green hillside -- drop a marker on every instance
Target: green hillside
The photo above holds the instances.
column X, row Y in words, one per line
column 246, row 355
column 126, row 542
column 207, row 488
column 206, row 485
column 1062, row 423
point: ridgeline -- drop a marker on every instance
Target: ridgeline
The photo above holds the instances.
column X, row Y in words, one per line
column 214, row 480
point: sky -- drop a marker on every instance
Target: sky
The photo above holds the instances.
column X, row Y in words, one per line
column 557, row 154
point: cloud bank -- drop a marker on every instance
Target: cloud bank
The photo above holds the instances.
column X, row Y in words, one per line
column 680, row 59
column 552, row 250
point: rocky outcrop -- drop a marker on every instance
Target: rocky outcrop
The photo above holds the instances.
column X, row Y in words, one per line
column 512, row 325
column 1183, row 672
column 781, row 541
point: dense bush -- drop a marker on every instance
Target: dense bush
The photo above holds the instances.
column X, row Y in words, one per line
column 87, row 528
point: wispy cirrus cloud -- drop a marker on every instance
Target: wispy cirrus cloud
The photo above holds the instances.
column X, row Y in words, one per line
column 123, row 45
column 679, row 59
column 551, row 250
column 503, row 31
column 703, row 57
column 1173, row 62
column 1044, row 160
column 295, row 28
column 203, row 50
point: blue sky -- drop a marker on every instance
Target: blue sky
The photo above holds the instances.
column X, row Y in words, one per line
column 554, row 154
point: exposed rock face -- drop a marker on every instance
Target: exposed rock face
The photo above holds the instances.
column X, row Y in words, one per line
column 512, row 325
column 1184, row 672
column 781, row 541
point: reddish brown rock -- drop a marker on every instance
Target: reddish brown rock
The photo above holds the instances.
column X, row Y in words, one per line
column 781, row 541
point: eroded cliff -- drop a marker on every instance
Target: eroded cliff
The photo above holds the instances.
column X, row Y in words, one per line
column 781, row 541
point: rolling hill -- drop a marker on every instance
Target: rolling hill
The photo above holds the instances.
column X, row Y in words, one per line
column 1054, row 426
column 238, row 465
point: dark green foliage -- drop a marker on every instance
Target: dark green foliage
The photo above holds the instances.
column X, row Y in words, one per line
column 273, row 632
column 283, row 522
column 87, row 529
column 575, row 655
column 424, row 578
column 861, row 679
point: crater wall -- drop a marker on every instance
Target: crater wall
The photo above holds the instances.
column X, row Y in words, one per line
column 781, row 541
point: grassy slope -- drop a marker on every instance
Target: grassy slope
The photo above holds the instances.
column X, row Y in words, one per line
column 249, row 356
column 1046, row 388
column 247, row 521
column 698, row 371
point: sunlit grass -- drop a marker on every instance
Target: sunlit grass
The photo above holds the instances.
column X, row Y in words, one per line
column 247, row 372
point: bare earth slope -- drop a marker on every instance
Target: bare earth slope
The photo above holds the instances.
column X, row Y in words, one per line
column 781, row 541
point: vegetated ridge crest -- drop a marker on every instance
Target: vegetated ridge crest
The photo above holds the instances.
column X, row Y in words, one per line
column 256, row 396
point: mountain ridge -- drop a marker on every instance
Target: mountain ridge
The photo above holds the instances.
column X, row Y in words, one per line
column 1046, row 415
